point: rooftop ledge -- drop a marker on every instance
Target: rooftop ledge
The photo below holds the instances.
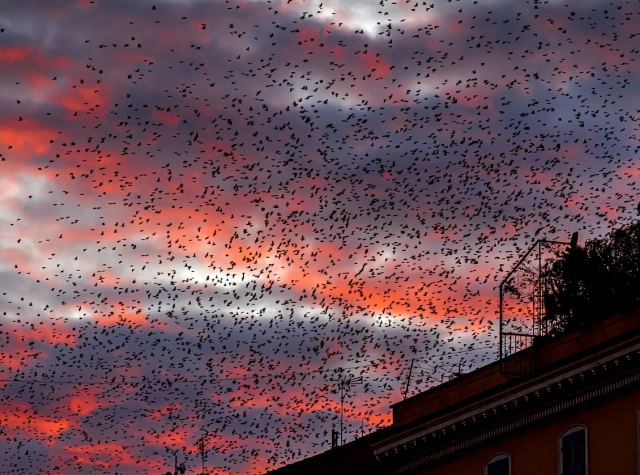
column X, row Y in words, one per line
column 541, row 357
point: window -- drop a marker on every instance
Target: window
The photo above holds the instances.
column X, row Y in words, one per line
column 499, row 465
column 573, row 451
column 638, row 442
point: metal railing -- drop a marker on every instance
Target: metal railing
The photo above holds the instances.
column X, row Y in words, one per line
column 522, row 298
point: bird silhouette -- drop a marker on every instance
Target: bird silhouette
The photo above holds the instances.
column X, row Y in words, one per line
column 213, row 213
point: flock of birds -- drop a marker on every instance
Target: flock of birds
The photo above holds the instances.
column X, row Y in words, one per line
column 213, row 213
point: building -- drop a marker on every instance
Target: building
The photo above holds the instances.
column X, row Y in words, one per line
column 568, row 405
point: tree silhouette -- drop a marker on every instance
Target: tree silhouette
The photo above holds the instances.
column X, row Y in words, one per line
column 589, row 283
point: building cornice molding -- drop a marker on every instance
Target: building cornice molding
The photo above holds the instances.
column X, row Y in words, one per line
column 586, row 385
column 524, row 387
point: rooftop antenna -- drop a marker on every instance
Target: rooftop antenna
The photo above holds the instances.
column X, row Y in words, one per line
column 574, row 240
column 177, row 469
column 456, row 374
column 406, row 388
column 459, row 372
column 334, row 438
column 344, row 385
column 201, row 449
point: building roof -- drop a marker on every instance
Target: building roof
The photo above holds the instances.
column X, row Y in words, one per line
column 353, row 458
column 525, row 388
column 551, row 377
column 525, row 364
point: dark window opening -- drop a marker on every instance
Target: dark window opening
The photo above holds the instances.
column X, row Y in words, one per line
column 498, row 467
column 574, row 453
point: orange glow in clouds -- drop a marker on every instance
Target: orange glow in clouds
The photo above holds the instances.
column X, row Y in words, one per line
column 26, row 137
column 133, row 317
column 13, row 54
column 84, row 404
column 83, row 97
column 165, row 117
column 20, row 417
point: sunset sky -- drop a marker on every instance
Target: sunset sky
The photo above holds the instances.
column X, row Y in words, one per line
column 210, row 210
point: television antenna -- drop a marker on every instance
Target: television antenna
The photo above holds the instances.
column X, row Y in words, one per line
column 177, row 469
column 406, row 388
column 202, row 451
column 345, row 382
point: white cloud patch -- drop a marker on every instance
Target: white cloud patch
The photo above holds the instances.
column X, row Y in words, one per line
column 368, row 16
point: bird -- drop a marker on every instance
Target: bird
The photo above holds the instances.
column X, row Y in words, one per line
column 214, row 212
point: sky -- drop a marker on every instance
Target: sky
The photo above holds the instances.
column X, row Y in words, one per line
column 211, row 211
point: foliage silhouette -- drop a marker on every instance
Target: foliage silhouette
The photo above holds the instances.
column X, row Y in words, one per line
column 588, row 283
